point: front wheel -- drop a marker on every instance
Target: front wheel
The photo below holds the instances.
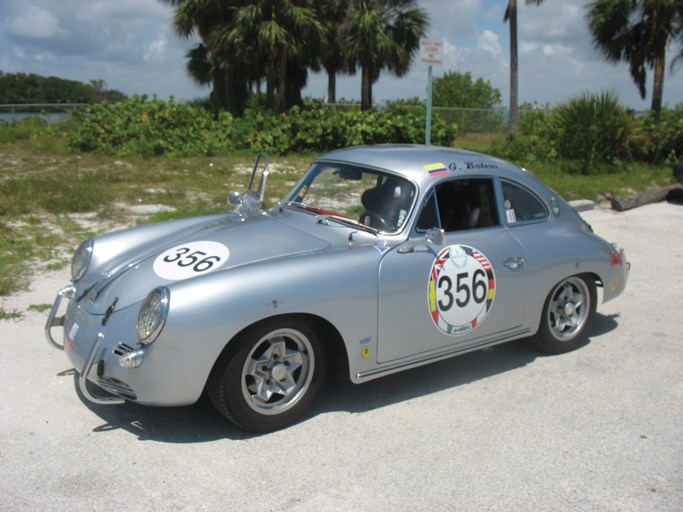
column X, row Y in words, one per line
column 568, row 314
column 269, row 375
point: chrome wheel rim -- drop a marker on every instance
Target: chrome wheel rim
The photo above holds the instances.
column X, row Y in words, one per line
column 278, row 371
column 568, row 308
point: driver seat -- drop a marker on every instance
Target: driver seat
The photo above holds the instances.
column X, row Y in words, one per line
column 382, row 202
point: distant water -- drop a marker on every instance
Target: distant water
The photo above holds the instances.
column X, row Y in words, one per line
column 13, row 117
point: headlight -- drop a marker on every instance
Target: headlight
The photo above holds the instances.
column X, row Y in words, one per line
column 81, row 259
column 152, row 315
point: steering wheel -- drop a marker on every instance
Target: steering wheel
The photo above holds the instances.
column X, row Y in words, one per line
column 373, row 219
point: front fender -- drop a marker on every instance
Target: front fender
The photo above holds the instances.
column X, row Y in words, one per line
column 207, row 313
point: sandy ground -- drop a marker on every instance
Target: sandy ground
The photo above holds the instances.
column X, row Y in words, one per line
column 506, row 429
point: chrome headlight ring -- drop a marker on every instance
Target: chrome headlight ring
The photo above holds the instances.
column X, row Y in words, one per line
column 81, row 259
column 152, row 315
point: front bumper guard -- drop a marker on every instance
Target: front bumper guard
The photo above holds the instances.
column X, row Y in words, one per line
column 58, row 321
column 85, row 371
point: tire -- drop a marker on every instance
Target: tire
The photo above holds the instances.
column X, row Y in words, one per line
column 269, row 375
column 568, row 314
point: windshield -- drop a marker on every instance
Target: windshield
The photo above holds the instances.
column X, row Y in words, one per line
column 378, row 200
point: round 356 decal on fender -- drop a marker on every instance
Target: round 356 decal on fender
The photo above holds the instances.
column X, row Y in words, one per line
column 190, row 260
column 461, row 289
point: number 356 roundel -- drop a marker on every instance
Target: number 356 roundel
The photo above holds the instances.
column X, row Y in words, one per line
column 190, row 260
column 461, row 289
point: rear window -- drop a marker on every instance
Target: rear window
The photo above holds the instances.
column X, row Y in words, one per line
column 522, row 205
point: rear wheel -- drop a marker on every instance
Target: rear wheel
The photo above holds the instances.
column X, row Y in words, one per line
column 269, row 375
column 568, row 314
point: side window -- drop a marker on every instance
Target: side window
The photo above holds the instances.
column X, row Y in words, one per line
column 522, row 205
column 461, row 204
column 429, row 216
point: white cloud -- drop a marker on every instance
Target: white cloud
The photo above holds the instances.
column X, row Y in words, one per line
column 156, row 50
column 557, row 50
column 448, row 17
column 488, row 42
column 35, row 22
column 527, row 47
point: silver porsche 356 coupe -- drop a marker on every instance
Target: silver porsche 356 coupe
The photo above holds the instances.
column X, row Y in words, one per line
column 380, row 259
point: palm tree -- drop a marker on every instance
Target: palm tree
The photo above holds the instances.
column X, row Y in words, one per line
column 210, row 62
column 285, row 36
column 332, row 13
column 638, row 32
column 381, row 34
column 511, row 16
column 200, row 65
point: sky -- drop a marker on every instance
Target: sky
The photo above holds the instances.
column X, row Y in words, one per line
column 131, row 45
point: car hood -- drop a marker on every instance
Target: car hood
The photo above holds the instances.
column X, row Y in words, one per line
column 190, row 251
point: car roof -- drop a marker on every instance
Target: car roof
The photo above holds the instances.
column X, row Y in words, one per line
column 421, row 163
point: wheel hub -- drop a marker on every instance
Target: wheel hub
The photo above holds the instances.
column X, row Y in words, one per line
column 279, row 372
column 569, row 309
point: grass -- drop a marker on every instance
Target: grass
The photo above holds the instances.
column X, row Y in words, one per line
column 10, row 315
column 50, row 199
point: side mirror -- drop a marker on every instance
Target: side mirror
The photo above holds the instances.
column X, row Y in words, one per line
column 235, row 198
column 434, row 236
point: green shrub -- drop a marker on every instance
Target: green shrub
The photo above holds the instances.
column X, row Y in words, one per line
column 260, row 130
column 533, row 142
column 660, row 143
column 149, row 128
column 592, row 129
column 21, row 130
column 316, row 128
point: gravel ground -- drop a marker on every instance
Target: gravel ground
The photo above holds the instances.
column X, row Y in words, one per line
column 507, row 428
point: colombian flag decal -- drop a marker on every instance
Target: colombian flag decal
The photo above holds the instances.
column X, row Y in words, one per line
column 436, row 169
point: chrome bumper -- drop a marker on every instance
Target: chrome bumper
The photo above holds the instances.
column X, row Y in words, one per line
column 58, row 321
column 85, row 371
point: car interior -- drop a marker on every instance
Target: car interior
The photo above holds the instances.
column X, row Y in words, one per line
column 458, row 205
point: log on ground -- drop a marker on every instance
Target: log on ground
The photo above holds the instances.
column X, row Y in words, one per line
column 653, row 195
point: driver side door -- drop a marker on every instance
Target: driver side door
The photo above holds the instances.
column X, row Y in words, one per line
column 465, row 292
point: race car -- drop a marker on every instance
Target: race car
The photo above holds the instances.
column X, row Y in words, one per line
column 380, row 259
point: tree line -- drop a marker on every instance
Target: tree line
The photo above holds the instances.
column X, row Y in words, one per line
column 246, row 43
column 638, row 32
column 22, row 88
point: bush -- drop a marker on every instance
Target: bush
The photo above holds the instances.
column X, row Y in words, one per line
column 592, row 129
column 149, row 128
column 21, row 130
column 659, row 143
column 317, row 128
column 534, row 141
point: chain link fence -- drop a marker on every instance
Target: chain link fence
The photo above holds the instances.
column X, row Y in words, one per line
column 468, row 120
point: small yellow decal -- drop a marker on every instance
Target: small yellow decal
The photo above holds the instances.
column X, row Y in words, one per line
column 436, row 169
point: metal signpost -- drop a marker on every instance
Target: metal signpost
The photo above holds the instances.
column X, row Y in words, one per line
column 431, row 53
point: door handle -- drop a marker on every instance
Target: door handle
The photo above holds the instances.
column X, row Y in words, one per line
column 514, row 263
